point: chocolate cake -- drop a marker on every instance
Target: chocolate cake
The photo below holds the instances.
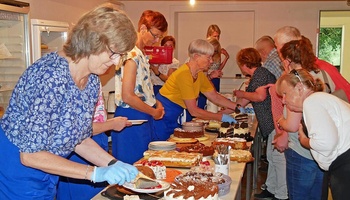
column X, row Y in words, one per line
column 181, row 133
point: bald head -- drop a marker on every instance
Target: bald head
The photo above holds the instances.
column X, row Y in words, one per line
column 264, row 45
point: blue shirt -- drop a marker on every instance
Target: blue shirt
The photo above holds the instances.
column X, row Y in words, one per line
column 47, row 111
column 273, row 63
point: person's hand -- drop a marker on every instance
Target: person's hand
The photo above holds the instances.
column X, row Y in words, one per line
column 238, row 93
column 240, row 108
column 119, row 123
column 228, row 118
column 155, row 68
column 280, row 141
column 159, row 111
column 118, row 173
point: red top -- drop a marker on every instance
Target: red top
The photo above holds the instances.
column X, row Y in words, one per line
column 339, row 81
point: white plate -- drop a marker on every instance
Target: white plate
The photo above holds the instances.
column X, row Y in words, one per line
column 131, row 186
column 162, row 145
column 140, row 121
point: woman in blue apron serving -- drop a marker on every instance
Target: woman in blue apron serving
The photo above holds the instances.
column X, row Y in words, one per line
column 182, row 89
column 51, row 110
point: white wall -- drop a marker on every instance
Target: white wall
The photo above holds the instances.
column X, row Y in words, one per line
column 269, row 15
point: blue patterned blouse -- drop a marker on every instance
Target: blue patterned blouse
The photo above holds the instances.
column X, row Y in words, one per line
column 47, row 111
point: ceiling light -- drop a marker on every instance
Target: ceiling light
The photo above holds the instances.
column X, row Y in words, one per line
column 192, row 2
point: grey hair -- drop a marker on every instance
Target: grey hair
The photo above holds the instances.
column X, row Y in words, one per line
column 200, row 46
column 286, row 34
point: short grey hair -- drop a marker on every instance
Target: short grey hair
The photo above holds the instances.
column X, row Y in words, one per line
column 286, row 34
column 200, row 46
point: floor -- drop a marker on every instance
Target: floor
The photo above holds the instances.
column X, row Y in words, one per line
column 262, row 172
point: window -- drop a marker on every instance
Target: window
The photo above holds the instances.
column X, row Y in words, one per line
column 330, row 45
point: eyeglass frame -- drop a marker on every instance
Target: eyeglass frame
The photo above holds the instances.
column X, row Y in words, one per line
column 295, row 72
column 115, row 55
column 154, row 35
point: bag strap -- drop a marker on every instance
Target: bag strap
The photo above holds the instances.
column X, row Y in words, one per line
column 325, row 79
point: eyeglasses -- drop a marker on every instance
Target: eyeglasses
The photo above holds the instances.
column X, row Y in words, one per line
column 289, row 61
column 154, row 35
column 295, row 72
column 115, row 55
column 208, row 57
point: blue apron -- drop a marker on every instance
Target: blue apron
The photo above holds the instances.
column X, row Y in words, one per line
column 78, row 189
column 129, row 144
column 165, row 127
column 20, row 182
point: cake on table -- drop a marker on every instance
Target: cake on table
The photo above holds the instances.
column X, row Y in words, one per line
column 240, row 155
column 241, row 130
column 173, row 158
column 192, row 190
column 157, row 167
column 195, row 185
column 226, row 130
column 235, row 143
column 198, row 148
column 182, row 133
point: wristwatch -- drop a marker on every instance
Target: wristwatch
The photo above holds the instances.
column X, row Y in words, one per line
column 158, row 74
column 112, row 162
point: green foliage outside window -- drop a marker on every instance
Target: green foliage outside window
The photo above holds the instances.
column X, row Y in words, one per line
column 330, row 45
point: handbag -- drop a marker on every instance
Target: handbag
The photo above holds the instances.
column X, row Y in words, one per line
column 340, row 93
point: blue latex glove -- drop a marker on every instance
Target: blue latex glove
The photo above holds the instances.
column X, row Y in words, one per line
column 239, row 109
column 228, row 118
column 118, row 173
column 242, row 110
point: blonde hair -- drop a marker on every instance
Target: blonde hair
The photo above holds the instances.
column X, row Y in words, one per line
column 300, row 75
column 98, row 30
column 200, row 46
column 213, row 28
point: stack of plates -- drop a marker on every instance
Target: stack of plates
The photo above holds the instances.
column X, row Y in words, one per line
column 162, row 145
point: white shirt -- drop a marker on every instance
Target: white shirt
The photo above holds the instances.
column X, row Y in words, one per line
column 327, row 119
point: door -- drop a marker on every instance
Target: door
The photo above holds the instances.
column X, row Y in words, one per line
column 47, row 36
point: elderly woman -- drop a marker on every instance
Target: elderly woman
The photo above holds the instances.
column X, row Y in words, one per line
column 51, row 110
column 327, row 120
column 134, row 92
column 182, row 88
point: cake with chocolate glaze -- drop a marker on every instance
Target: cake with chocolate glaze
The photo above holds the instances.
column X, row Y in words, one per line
column 198, row 148
column 191, row 190
column 226, row 130
column 182, row 133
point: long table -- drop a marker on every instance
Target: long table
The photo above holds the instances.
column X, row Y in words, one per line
column 236, row 171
